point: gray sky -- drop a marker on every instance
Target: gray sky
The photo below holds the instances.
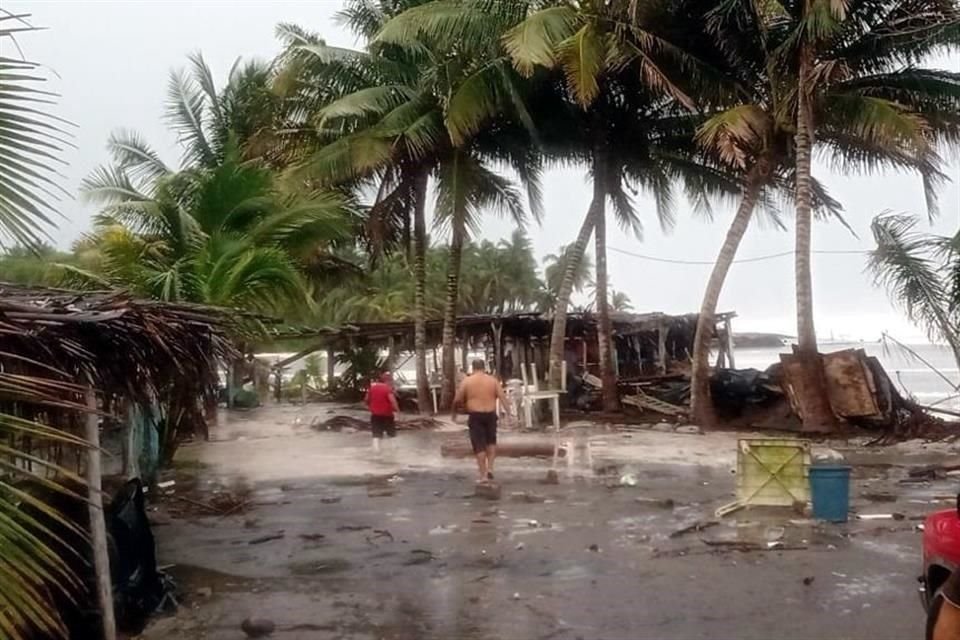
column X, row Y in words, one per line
column 113, row 59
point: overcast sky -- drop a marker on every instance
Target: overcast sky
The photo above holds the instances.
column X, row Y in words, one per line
column 113, row 59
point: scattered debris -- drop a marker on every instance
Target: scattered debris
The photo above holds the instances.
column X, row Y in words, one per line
column 643, row 401
column 353, row 527
column 690, row 429
column 594, row 547
column 663, row 503
column 519, row 546
column 331, row 500
column 420, row 556
column 257, row 627
column 342, row 423
column 828, row 456
column 552, row 477
column 527, row 497
column 204, row 592
column 312, row 537
column 879, row 497
column 728, row 508
column 273, row 536
column 377, row 534
column 775, row 533
column 933, row 471
column 516, row 596
column 739, row 545
column 488, row 490
column 808, row 581
column 166, row 485
column 463, row 449
column 696, row 526
column 628, row 480
column 880, row 516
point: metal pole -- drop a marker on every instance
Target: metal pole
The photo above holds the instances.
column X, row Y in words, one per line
column 98, row 529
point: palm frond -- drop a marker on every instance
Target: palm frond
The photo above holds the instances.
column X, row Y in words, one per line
column 185, row 113
column 582, row 56
column 135, row 156
column 535, row 41
column 903, row 264
column 370, row 101
column 30, row 139
column 110, row 185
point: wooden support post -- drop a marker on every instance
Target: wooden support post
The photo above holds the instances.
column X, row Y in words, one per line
column 728, row 331
column 464, row 348
column 331, row 364
column 662, row 348
column 98, row 527
column 616, row 359
column 230, row 385
column 497, row 348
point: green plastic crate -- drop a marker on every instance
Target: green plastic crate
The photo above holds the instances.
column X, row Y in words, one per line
column 773, row 472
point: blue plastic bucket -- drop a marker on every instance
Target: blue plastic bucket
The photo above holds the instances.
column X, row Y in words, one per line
column 830, row 491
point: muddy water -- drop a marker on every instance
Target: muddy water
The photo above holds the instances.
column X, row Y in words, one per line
column 397, row 546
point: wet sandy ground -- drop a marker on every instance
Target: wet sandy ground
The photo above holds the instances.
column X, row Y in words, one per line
column 398, row 547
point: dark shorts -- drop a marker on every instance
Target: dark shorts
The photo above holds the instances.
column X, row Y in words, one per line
column 380, row 425
column 483, row 430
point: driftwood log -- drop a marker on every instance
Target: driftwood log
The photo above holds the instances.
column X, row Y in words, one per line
column 506, row 450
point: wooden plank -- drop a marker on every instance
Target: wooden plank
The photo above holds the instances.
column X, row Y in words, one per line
column 98, row 527
column 849, row 384
column 644, row 401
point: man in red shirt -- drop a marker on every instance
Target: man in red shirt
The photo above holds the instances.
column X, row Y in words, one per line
column 382, row 403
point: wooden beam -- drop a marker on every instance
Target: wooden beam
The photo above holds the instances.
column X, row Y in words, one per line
column 98, row 527
column 497, row 347
column 662, row 331
column 300, row 354
column 728, row 331
column 331, row 367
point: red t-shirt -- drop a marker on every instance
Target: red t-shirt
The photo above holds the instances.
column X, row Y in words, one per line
column 378, row 400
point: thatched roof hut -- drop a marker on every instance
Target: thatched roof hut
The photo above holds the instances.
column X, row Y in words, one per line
column 134, row 353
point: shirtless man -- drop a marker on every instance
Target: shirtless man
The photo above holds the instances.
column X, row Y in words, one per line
column 479, row 393
column 943, row 621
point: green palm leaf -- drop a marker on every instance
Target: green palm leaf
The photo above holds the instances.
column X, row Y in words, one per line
column 30, row 140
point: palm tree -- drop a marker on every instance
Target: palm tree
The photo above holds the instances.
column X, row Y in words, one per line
column 219, row 230
column 500, row 278
column 618, row 67
column 419, row 115
column 620, row 301
column 313, row 75
column 921, row 272
column 30, row 139
column 873, row 117
column 555, row 269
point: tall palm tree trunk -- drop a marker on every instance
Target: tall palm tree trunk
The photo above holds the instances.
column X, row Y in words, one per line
column 420, row 293
column 558, row 333
column 812, row 395
column 701, row 404
column 611, row 401
column 448, row 361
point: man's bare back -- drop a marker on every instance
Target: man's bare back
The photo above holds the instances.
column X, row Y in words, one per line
column 478, row 393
